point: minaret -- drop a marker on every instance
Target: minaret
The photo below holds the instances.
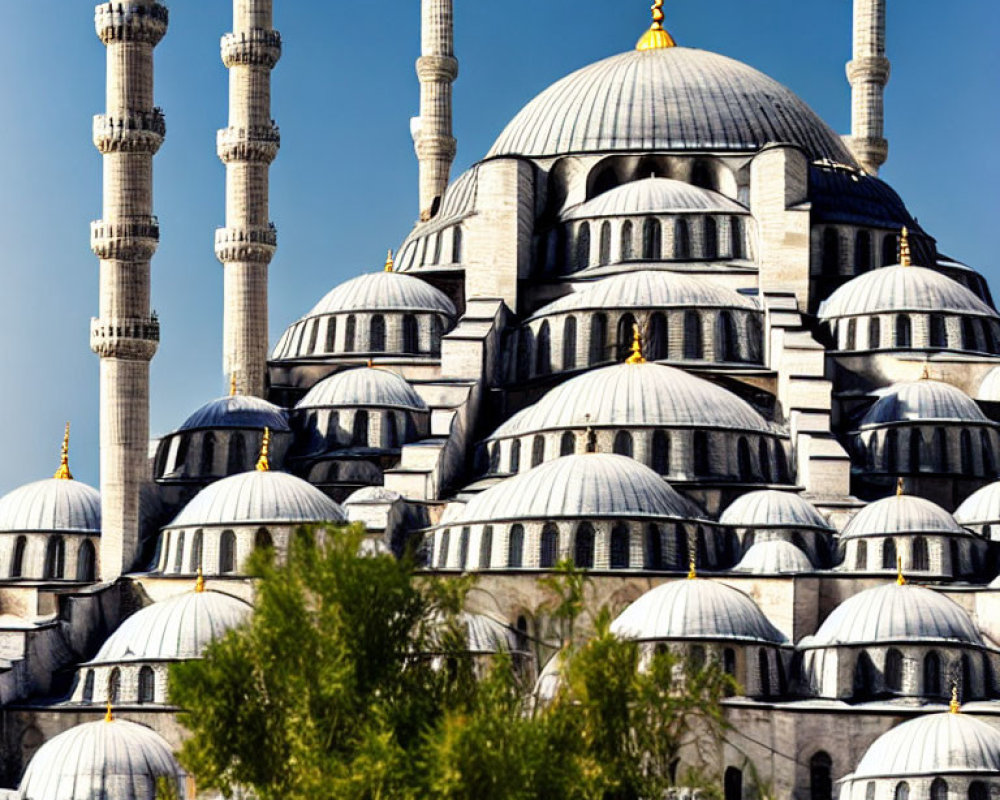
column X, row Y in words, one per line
column 868, row 74
column 126, row 333
column 247, row 147
column 437, row 69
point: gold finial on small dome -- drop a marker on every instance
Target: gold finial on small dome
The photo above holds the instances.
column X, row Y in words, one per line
column 954, row 706
column 899, row 487
column 389, row 262
column 636, row 357
column 926, row 374
column 199, row 584
column 264, row 463
column 904, row 248
column 900, row 578
column 63, row 473
column 692, row 567
column 656, row 38
column 108, row 716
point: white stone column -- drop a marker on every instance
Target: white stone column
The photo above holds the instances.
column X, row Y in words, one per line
column 868, row 73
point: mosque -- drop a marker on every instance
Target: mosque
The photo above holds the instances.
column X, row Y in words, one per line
column 671, row 327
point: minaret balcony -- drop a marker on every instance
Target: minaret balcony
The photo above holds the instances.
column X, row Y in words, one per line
column 257, row 144
column 437, row 69
column 133, row 238
column 129, row 338
column 874, row 69
column 254, row 48
column 254, row 245
column 131, row 21
column 135, row 132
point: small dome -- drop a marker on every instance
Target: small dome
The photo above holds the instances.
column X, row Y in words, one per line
column 367, row 387
column 989, row 389
column 654, row 196
column 695, row 609
column 372, row 494
column 894, row 613
column 117, row 760
column 635, row 395
column 900, row 288
column 923, row 400
column 902, row 514
column 237, row 411
column 981, row 507
column 252, row 498
column 935, row 744
column 384, row 291
column 591, row 485
column 770, row 508
column 52, row 505
column 177, row 628
column 647, row 289
column 485, row 635
column 774, row 558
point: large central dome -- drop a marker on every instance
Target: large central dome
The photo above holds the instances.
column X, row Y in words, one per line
column 675, row 98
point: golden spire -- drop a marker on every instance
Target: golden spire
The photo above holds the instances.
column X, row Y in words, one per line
column 900, row 580
column 656, row 38
column 199, row 585
column 63, row 473
column 264, row 463
column 108, row 716
column 636, row 357
column 692, row 567
column 899, row 487
column 389, row 263
column 232, row 384
column 954, row 706
column 904, row 247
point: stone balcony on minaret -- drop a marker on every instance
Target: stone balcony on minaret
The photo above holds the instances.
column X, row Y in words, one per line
column 133, row 132
column 131, row 22
column 258, row 145
column 246, row 245
column 253, row 48
column 133, row 238
column 129, row 339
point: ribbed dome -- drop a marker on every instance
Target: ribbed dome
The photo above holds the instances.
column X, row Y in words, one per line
column 668, row 99
column 923, row 400
column 251, row 498
column 237, row 411
column 485, row 635
column 901, row 514
column 384, row 291
column 770, row 508
column 177, row 628
column 981, row 507
column 894, row 613
column 695, row 609
column 654, row 196
column 900, row 288
column 52, row 505
column 115, row 760
column 366, row 386
column 989, row 389
column 774, row 558
column 372, row 494
column 935, row 744
column 647, row 289
column 590, row 485
column 635, row 395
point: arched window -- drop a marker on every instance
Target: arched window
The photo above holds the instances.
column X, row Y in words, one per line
column 902, row 791
column 443, row 548
column 620, row 546
column 939, row 789
column 86, row 562
column 938, row 335
column 682, row 239
column 657, row 345
column 525, row 345
column 682, row 548
column 437, row 248
column 888, row 554
column 831, row 251
column 743, row 460
column 17, row 562
column 437, row 334
column 916, row 450
column 227, row 553
column 237, row 456
column 870, row 790
column 197, row 547
column 583, row 246
column 147, row 685
column 463, row 548
column 207, row 466
column 736, row 237
column 727, row 345
column 55, row 558
column 862, row 252
column 711, row 239
column 660, row 460
column 986, row 447
column 764, row 667
column 693, row 349
column 605, row 243
column 623, row 444
column 537, row 450
column 456, row 245
column 411, row 336
column 515, row 457
column 874, row 333
column 729, row 662
column 966, row 689
column 902, row 331
column 313, row 337
column 969, row 334
column 515, row 547
column 583, row 546
column 569, row 344
column 733, row 784
column 598, row 338
column 978, row 790
column 894, row 670
column 359, row 429
column 864, row 676
column 940, row 450
column 653, row 550
column 548, row 551
column 932, row 674
column 919, row 560
column 331, row 334
column 349, row 334
column 543, row 350
column 652, row 239
column 567, row 444
column 627, row 241
column 702, row 456
column 88, row 687
column 890, row 250
column 861, row 556
column 391, row 436
column 376, row 335
column 262, row 540
column 851, row 342
column 486, row 547
column 965, row 449
column 115, row 686
column 626, row 334
column 892, row 452
column 820, row 778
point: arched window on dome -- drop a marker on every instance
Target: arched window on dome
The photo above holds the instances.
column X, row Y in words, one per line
column 583, row 546
column 894, row 670
column 781, row 463
column 764, row 672
column 207, row 466
column 437, row 334
column 702, row 456
column 376, row 334
column 978, row 790
column 682, row 548
column 902, row 791
column 864, row 676
column 820, row 777
column 598, row 339
column 147, row 685
column 197, row 550
column 656, row 345
column 313, row 336
column 88, row 687
column 567, row 444
column 359, row 429
column 411, row 335
column 183, row 447
column 938, row 331
column 966, row 689
column 515, row 547
column 515, row 457
column 969, row 335
column 619, row 546
column 965, row 450
column 888, row 553
column 17, row 561
column 548, row 551
column 349, row 334
column 874, row 333
column 652, row 239
column 227, row 552
column 989, row 462
column 443, row 547
column 437, row 247
column 916, row 447
column 932, row 674
column 727, row 341
column 390, row 438
column 861, row 556
column 543, row 350
column 86, row 562
column 940, row 450
column 569, row 344
column 237, row 456
column 851, row 340
column 693, row 348
column 331, row 334
column 623, row 444
column 605, row 258
column 653, row 550
column 682, row 239
column 486, row 547
column 626, row 334
column 583, row 246
column 890, row 250
column 870, row 790
column 831, row 251
column 956, row 557
column 463, row 548
column 764, row 460
column 891, row 458
column 537, row 450
column 55, row 558
column 903, row 331
column 115, row 687
column 862, row 252
column 919, row 560
column 660, row 461
column 627, row 249
column 262, row 540
column 711, row 239
column 736, row 238
column 456, row 245
column 939, row 789
column 494, row 458
column 732, row 784
column 744, row 463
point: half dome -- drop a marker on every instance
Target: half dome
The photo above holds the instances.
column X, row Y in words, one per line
column 774, row 557
column 654, row 196
column 237, row 411
column 770, row 508
column 923, row 400
column 384, row 291
column 902, row 514
column 366, row 386
column 52, row 505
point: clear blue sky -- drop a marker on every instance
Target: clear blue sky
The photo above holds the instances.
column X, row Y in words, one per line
column 344, row 184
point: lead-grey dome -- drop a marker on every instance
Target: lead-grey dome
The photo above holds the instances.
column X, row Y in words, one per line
column 176, row 628
column 384, row 291
column 989, row 388
column 654, row 196
column 52, row 505
column 676, row 98
column 237, row 411
column 770, row 508
column 902, row 514
column 923, row 400
column 117, row 760
column 981, row 507
column 935, row 744
column 366, row 386
column 774, row 557
column 695, row 609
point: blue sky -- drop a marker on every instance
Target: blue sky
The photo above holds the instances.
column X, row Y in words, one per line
column 344, row 184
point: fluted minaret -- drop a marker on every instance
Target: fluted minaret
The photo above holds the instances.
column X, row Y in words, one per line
column 868, row 73
column 247, row 147
column 437, row 69
column 126, row 333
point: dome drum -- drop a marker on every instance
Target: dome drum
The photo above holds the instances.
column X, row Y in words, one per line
column 849, row 249
column 341, row 473
column 927, row 555
column 933, row 785
column 760, row 670
column 134, row 683
column 321, row 431
column 201, row 456
column 779, row 516
column 218, row 550
column 963, row 449
column 49, row 556
column 435, row 246
column 916, row 331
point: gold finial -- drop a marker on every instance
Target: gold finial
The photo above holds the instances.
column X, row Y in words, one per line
column 370, row 363
column 264, row 463
column 656, row 38
column 900, row 579
column 926, row 374
column 232, row 384
column 899, row 487
column 904, row 247
column 636, row 357
column 692, row 567
column 108, row 716
column 954, row 706
column 63, row 473
column 199, row 585
column 389, row 263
